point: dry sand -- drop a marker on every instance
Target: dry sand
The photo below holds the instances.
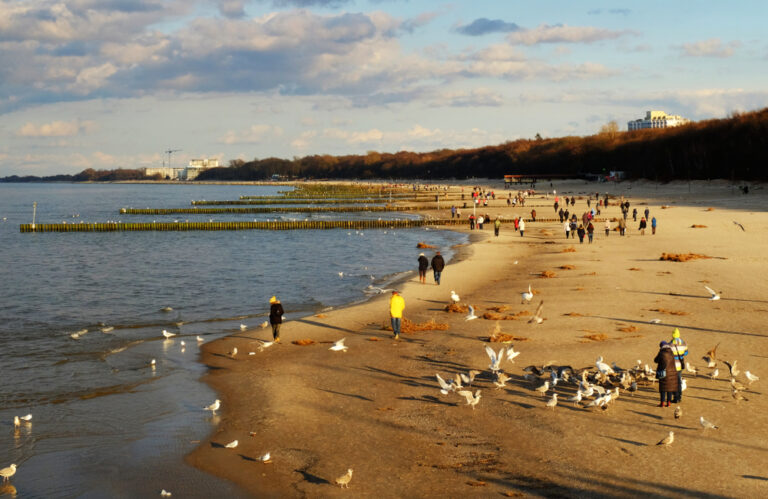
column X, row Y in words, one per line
column 377, row 409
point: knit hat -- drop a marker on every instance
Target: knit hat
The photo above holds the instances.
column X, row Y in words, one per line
column 663, row 343
column 676, row 334
column 273, row 299
column 421, row 254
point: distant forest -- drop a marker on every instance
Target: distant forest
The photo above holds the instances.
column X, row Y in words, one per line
column 731, row 148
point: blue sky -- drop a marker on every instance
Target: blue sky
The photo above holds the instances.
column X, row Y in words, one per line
column 113, row 83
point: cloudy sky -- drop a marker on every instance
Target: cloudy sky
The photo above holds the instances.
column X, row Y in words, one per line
column 114, row 83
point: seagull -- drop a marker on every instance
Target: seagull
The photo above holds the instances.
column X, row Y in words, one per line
column 264, row 324
column 751, row 377
column 165, row 493
column 182, row 344
column 8, row 472
column 706, row 424
column 243, row 327
column 341, row 275
column 200, row 339
column 711, row 356
column 26, row 418
column 537, row 318
column 107, row 329
column 576, row 398
column 233, row 352
column 470, row 377
column 501, row 380
column 511, row 354
column 445, row 386
column 495, row 358
column 604, row 368
column 213, row 407
column 667, row 441
column 471, row 315
column 678, row 412
column 732, row 368
column 266, row 458
column 691, row 369
column 454, row 297
column 16, row 421
column 166, row 309
column 153, row 363
column 339, row 346
column 527, row 296
column 543, row 388
column 168, row 334
column 471, row 400
column 553, row 401
column 738, row 397
column 265, row 344
column 741, row 226
column 737, row 386
column 714, row 374
column 654, row 321
column 714, row 294
column 232, row 444
column 343, row 480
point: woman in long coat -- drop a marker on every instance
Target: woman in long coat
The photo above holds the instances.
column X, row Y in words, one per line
column 665, row 361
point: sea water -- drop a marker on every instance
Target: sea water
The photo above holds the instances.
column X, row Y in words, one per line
column 105, row 423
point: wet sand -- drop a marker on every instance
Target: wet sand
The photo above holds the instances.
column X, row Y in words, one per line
column 377, row 408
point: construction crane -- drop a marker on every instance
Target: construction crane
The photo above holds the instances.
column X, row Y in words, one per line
column 169, row 152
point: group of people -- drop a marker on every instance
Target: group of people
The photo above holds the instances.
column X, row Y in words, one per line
column 397, row 302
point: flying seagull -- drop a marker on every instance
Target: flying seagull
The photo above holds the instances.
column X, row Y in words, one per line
column 445, row 386
column 537, row 318
column 467, row 379
column 732, row 368
column 471, row 315
column 712, row 292
column 495, row 358
column 471, row 399
column 501, row 380
column 339, row 346
column 741, row 226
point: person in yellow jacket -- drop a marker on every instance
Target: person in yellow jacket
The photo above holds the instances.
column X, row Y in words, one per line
column 396, row 306
column 679, row 350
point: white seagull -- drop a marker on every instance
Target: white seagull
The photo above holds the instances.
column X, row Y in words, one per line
column 168, row 334
column 511, row 354
column 266, row 458
column 527, row 296
column 232, row 444
column 667, row 441
column 343, row 480
column 576, row 398
column 751, row 377
column 471, row 315
column 265, row 344
column 165, row 493
column 471, row 399
column 553, row 401
column 200, row 339
column 264, row 324
column 26, row 418
column 8, row 472
column 603, row 367
column 714, row 294
column 339, row 346
column 454, row 297
column 445, row 386
column 243, row 327
column 233, row 352
column 537, row 318
column 469, row 378
column 213, row 407
column 495, row 358
column 706, row 424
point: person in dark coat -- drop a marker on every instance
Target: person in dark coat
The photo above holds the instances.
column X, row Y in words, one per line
column 275, row 317
column 665, row 361
column 438, row 264
column 580, row 231
column 423, row 266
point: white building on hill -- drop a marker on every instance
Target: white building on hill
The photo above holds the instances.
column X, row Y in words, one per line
column 657, row 119
column 189, row 172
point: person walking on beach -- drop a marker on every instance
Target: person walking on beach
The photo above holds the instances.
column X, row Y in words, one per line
column 573, row 227
column 590, row 231
column 423, row 266
column 480, row 222
column 665, row 373
column 496, row 226
column 607, row 227
column 522, row 227
column 471, row 222
column 634, row 214
column 622, row 225
column 396, row 307
column 533, row 215
column 438, row 264
column 275, row 317
column 580, row 231
column 679, row 350
column 653, row 226
column 643, row 225
column 647, row 212
column 567, row 227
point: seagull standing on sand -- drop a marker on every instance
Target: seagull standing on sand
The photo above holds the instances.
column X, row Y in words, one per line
column 527, row 296
column 165, row 493
column 678, row 412
column 339, row 346
column 232, row 444
column 233, row 352
column 712, row 292
column 553, row 401
column 168, row 334
column 454, row 297
column 543, row 388
column 576, row 398
column 343, row 481
column 266, row 458
column 471, row 315
column 751, row 377
column 243, row 327
column 603, row 367
column 200, row 339
column 706, row 424
column 667, row 441
column 213, row 407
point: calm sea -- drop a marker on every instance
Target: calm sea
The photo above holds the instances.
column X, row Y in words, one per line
column 104, row 423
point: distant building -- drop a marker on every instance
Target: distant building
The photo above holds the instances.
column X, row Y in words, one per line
column 189, row 172
column 657, row 119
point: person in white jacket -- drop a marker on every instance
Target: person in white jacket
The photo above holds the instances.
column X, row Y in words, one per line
column 567, row 227
column 522, row 227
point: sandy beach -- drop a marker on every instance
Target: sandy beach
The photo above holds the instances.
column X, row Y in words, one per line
column 377, row 407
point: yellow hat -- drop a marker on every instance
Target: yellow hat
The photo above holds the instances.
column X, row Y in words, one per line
column 273, row 299
column 676, row 334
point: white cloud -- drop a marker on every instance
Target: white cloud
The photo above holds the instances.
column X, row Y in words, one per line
column 56, row 129
column 560, row 33
column 713, row 47
column 253, row 135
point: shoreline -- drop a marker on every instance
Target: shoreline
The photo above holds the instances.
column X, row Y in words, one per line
column 320, row 412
